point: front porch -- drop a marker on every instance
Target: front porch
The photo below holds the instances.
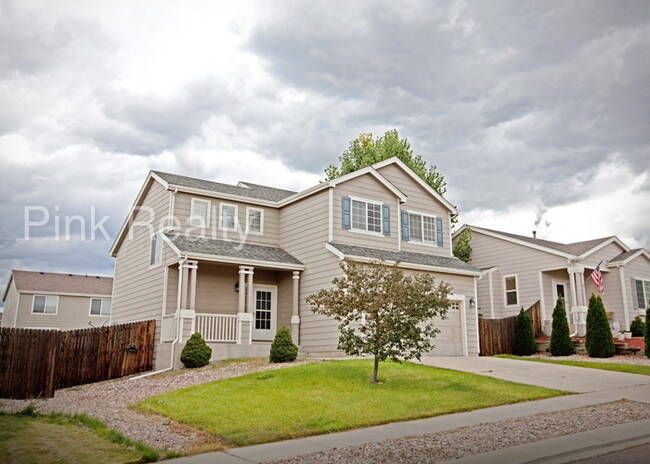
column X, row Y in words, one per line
column 237, row 309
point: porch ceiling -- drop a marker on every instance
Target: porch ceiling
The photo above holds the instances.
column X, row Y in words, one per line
column 232, row 252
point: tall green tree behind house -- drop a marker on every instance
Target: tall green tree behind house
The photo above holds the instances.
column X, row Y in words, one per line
column 381, row 312
column 366, row 150
column 462, row 248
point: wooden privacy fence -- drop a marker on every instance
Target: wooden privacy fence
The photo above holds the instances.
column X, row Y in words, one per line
column 497, row 336
column 34, row 363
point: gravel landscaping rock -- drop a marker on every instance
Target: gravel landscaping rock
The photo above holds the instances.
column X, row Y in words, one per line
column 482, row 438
column 109, row 402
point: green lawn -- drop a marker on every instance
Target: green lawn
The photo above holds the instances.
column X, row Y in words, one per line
column 57, row 438
column 629, row 368
column 331, row 396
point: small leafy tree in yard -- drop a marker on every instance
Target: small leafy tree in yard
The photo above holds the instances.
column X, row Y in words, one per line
column 196, row 353
column 647, row 330
column 599, row 336
column 462, row 248
column 561, row 344
column 637, row 327
column 525, row 344
column 283, row 349
column 381, row 312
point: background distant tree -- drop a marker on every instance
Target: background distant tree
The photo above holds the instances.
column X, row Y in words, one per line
column 462, row 248
column 561, row 344
column 525, row 344
column 366, row 150
column 599, row 335
column 381, row 312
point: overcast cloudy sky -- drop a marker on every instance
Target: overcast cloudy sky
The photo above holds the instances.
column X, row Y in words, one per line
column 537, row 113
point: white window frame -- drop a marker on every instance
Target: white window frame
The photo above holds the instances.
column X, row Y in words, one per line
column 153, row 262
column 221, row 206
column 422, row 215
column 250, row 209
column 505, row 290
column 194, row 216
column 381, row 216
column 646, row 295
column 56, row 309
column 567, row 290
column 90, row 308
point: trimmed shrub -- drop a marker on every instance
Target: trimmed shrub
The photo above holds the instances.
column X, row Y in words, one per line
column 599, row 336
column 647, row 330
column 196, row 353
column 524, row 338
column 561, row 344
column 283, row 348
column 637, row 327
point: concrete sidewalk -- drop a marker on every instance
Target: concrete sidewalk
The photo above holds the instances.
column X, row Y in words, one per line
column 602, row 387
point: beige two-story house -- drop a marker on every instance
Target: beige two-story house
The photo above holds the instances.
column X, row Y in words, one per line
column 520, row 270
column 48, row 300
column 236, row 262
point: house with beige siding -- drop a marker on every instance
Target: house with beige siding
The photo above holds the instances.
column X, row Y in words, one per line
column 520, row 270
column 236, row 262
column 47, row 300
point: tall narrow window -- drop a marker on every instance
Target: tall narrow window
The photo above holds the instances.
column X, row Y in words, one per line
column 511, row 290
column 255, row 220
column 156, row 250
column 642, row 293
column 45, row 304
column 227, row 217
column 200, row 213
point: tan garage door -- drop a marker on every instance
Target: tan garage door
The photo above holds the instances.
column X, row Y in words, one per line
column 449, row 342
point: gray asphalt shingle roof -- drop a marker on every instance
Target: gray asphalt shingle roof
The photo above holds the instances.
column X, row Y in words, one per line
column 406, row 257
column 222, row 248
column 576, row 248
column 258, row 192
column 30, row 281
column 623, row 256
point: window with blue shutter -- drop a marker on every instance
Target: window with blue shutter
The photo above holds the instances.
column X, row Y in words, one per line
column 385, row 210
column 405, row 225
column 439, row 237
column 346, row 221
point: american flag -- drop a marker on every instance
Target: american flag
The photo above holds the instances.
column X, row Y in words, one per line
column 597, row 277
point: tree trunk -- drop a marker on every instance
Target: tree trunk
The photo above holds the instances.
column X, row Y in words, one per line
column 374, row 372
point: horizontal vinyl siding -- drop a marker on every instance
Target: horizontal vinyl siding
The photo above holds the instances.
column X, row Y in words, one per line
column 510, row 259
column 73, row 313
column 421, row 201
column 606, row 253
column 10, row 308
column 182, row 209
column 369, row 188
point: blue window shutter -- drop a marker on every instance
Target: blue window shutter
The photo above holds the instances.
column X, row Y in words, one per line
column 405, row 225
column 347, row 222
column 439, row 238
column 385, row 210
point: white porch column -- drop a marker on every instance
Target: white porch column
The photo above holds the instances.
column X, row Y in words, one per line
column 250, row 297
column 186, row 290
column 183, row 268
column 295, row 318
column 242, row 289
column 193, row 266
column 578, row 297
column 245, row 315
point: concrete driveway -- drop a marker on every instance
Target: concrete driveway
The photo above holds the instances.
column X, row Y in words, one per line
column 568, row 378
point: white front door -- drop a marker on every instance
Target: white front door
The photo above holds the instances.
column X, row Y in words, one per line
column 265, row 312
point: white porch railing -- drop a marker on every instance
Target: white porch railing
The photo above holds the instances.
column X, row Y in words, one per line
column 168, row 328
column 217, row 327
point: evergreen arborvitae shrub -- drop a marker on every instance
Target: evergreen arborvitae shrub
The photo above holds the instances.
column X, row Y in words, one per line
column 525, row 344
column 647, row 330
column 637, row 327
column 196, row 353
column 283, row 349
column 561, row 344
column 599, row 335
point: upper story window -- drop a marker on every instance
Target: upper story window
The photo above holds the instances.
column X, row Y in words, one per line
column 100, row 307
column 156, row 250
column 422, row 228
column 45, row 304
column 227, row 216
column 254, row 220
column 200, row 213
column 510, row 284
column 642, row 293
column 360, row 215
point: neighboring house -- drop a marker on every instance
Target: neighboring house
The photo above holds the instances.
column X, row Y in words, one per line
column 520, row 270
column 235, row 263
column 45, row 300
